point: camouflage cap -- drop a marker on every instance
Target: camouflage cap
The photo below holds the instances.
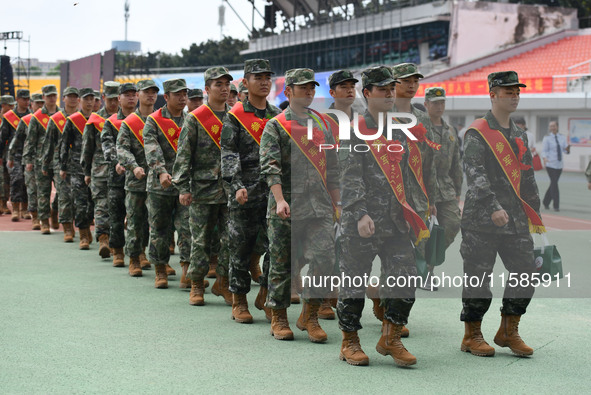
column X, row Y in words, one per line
column 86, row 92
column 242, row 88
column 70, row 90
column 111, row 89
column 142, row 85
column 213, row 73
column 174, row 85
column 435, row 93
column 299, row 77
column 257, row 66
column 404, row 70
column 49, row 90
column 233, row 88
column 195, row 93
column 23, row 94
column 341, row 76
column 504, row 78
column 97, row 94
column 378, row 76
column 7, row 99
column 126, row 87
column 37, row 97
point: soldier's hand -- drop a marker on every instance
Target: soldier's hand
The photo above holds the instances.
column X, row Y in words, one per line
column 165, row 180
column 185, row 199
column 45, row 173
column 241, row 196
column 87, row 180
column 283, row 210
column 119, row 169
column 366, row 227
column 500, row 218
column 139, row 173
column 63, row 174
column 29, row 167
column 10, row 164
column 433, row 210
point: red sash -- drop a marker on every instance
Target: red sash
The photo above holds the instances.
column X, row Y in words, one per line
column 210, row 122
column 415, row 163
column 113, row 120
column 59, row 119
column 42, row 118
column 27, row 119
column 511, row 167
column 169, row 129
column 12, row 118
column 334, row 127
column 97, row 121
column 393, row 173
column 79, row 121
column 135, row 123
column 299, row 135
column 249, row 121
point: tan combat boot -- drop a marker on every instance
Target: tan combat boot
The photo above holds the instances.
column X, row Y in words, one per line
column 35, row 225
column 508, row 336
column 3, row 206
column 134, row 267
column 280, row 325
column 255, row 269
column 325, row 312
column 54, row 222
column 104, row 250
column 118, row 258
column 15, row 212
column 220, row 288
column 89, row 236
column 170, row 271
column 240, row 311
column 390, row 344
column 185, row 282
column 45, row 227
column 351, row 350
column 260, row 300
column 144, row 262
column 474, row 342
column 84, row 242
column 196, row 295
column 308, row 321
column 213, row 264
column 25, row 211
column 68, row 232
column 374, row 295
column 161, row 279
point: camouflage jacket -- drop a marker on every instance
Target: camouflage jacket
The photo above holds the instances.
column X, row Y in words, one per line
column 109, row 143
column 197, row 169
column 50, row 151
column 92, row 159
column 241, row 166
column 159, row 154
column 282, row 162
column 70, row 149
column 34, row 140
column 7, row 133
column 448, row 164
column 131, row 154
column 15, row 149
column 414, row 193
column 489, row 189
column 365, row 189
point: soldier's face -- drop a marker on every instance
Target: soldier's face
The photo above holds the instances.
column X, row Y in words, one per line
column 128, row 100
column 87, row 103
column 22, row 102
column 258, row 84
column 50, row 100
column 195, row 103
column 7, row 107
column 97, row 104
column 219, row 90
column 407, row 89
column 36, row 105
column 435, row 108
column 176, row 101
column 148, row 96
column 302, row 95
column 72, row 100
column 111, row 104
column 380, row 98
column 243, row 96
column 344, row 93
column 232, row 99
column 505, row 98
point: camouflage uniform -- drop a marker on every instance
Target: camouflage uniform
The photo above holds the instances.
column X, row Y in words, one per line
column 488, row 191
column 449, row 173
column 309, row 230
column 18, row 193
column 163, row 204
column 197, row 170
column 15, row 153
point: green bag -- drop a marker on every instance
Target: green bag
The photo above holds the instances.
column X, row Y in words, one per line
column 435, row 246
column 422, row 269
column 548, row 259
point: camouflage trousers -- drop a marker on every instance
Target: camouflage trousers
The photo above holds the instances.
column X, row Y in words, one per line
column 163, row 211
column 138, row 231
column 44, row 203
column 81, row 196
column 312, row 240
column 31, row 184
column 4, row 182
column 99, row 191
column 65, row 199
column 18, row 191
column 117, row 215
column 261, row 248
column 204, row 219
column 448, row 216
column 479, row 251
column 244, row 227
column 397, row 262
